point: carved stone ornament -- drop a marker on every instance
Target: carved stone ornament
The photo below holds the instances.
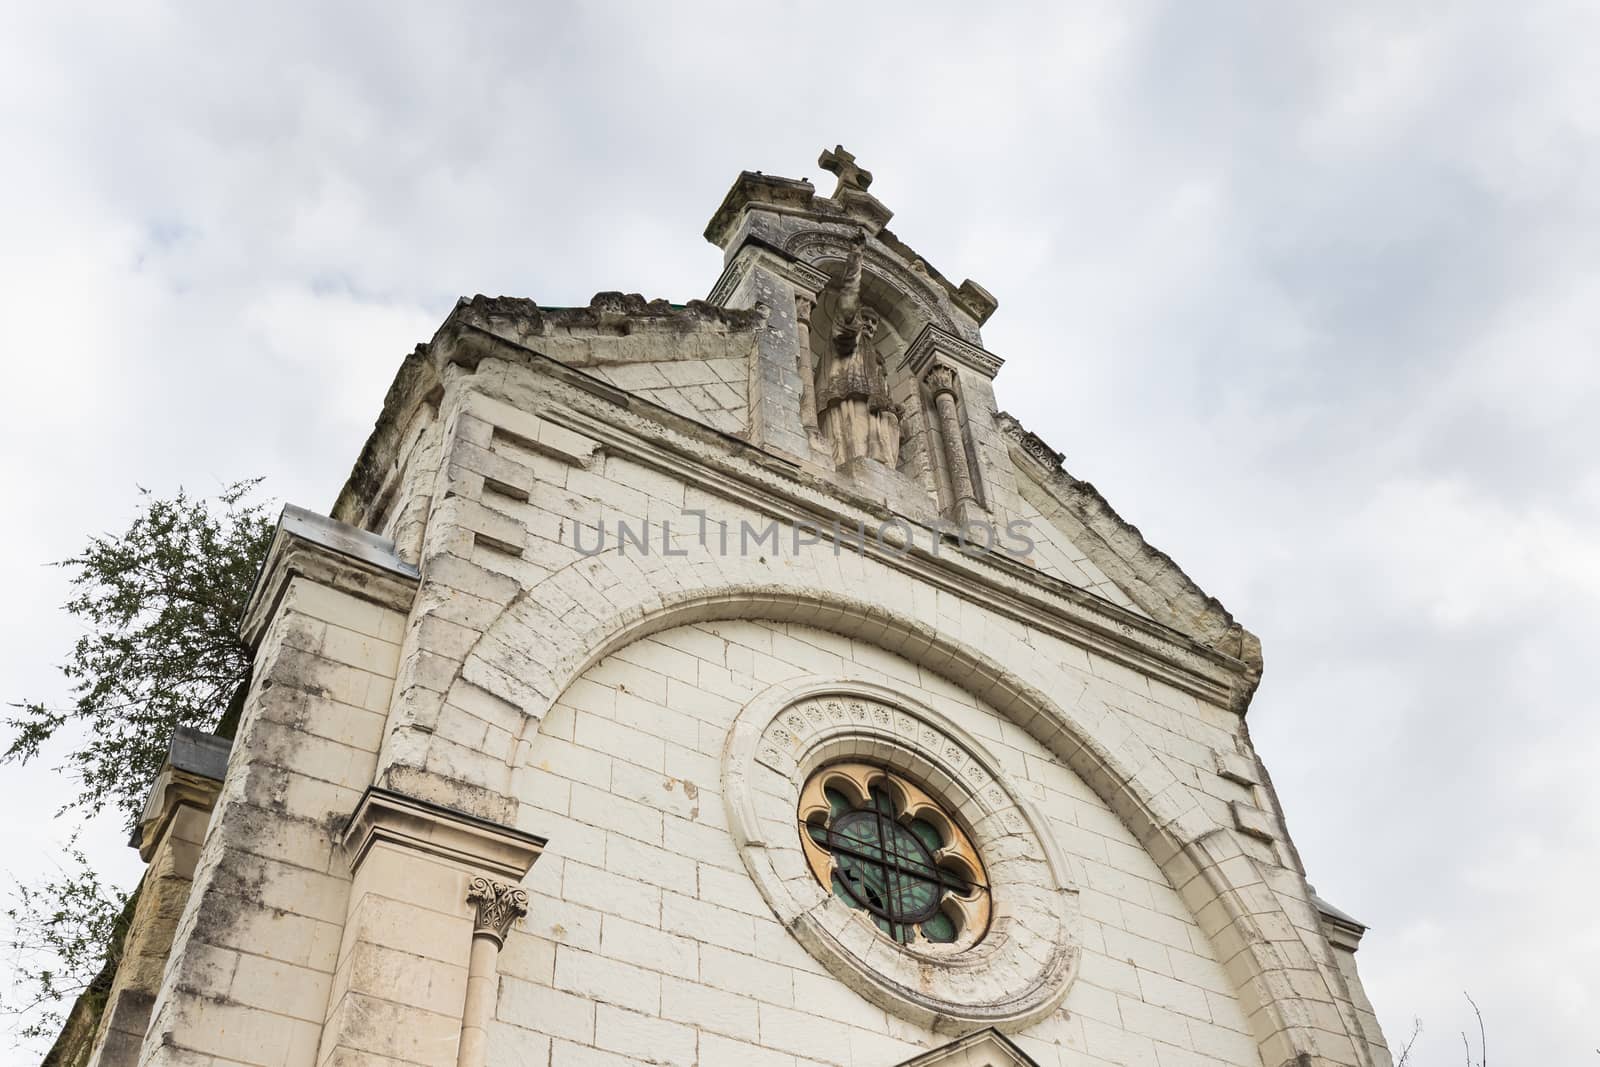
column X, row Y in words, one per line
column 499, row 905
column 843, row 165
column 854, row 409
column 1008, row 967
column 941, row 379
column 1031, row 443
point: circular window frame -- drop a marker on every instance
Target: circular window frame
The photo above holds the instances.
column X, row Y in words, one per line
column 1019, row 970
column 958, row 875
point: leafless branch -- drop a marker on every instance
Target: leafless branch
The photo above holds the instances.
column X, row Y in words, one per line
column 1405, row 1051
column 1483, row 1044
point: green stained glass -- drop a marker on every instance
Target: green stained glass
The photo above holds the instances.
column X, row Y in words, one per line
column 939, row 928
column 887, row 867
column 925, row 832
column 841, row 892
column 838, row 803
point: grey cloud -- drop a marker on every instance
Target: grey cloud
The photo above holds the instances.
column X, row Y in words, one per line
column 1309, row 292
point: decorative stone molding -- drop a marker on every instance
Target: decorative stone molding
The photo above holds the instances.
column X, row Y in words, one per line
column 191, row 777
column 1251, row 820
column 1236, row 768
column 805, row 363
column 1341, row 929
column 1031, row 443
column 1151, row 577
column 389, row 818
column 1021, row 968
column 976, row 301
column 941, row 380
column 745, row 478
column 986, row 1048
column 944, row 384
column 397, row 819
column 934, row 343
column 822, row 246
column 332, row 553
column 728, row 282
column 499, row 904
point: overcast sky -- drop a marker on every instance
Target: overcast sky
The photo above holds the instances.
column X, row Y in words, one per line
column 1310, row 292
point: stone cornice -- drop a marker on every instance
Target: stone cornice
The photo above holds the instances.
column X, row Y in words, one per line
column 756, row 252
column 655, row 438
column 191, row 776
column 1031, row 443
column 853, row 210
column 308, row 545
column 1341, row 929
column 934, row 344
column 791, row 196
column 477, row 844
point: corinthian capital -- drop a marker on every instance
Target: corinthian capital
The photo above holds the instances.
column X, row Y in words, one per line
column 941, row 379
column 499, row 905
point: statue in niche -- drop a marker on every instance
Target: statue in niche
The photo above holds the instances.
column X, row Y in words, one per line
column 854, row 410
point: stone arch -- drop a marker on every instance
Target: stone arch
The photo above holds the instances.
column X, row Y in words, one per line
column 592, row 607
column 888, row 274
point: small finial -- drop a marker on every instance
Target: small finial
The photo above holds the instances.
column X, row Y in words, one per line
column 843, row 164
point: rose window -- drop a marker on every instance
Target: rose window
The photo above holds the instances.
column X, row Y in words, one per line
column 885, row 847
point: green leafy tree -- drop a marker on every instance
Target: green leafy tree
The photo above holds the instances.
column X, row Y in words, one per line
column 161, row 604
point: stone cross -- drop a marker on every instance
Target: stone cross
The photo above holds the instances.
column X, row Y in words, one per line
column 843, row 164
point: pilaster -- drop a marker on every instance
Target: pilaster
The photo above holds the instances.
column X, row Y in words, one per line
column 256, row 946
column 433, row 894
column 169, row 837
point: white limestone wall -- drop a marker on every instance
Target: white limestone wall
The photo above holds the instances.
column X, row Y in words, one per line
column 646, row 941
column 255, row 953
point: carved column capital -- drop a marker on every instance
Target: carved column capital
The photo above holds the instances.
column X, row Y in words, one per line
column 941, row 379
column 499, row 905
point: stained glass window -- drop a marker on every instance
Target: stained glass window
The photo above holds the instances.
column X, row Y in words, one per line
column 882, row 846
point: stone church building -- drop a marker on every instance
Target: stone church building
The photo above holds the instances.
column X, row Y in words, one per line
column 729, row 683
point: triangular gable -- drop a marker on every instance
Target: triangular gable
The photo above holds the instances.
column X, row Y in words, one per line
column 692, row 359
column 1145, row 574
column 986, row 1048
column 1055, row 554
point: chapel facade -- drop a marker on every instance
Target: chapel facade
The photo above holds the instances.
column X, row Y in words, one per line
column 729, row 683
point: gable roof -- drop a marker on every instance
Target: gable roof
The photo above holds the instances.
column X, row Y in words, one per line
column 986, row 1048
column 1150, row 577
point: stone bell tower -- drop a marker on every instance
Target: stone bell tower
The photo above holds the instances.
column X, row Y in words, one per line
column 887, row 358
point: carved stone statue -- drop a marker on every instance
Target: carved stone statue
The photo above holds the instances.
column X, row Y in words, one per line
column 852, row 392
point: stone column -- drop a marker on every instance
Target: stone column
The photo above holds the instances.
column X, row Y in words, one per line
column 803, row 306
column 498, row 906
column 942, row 380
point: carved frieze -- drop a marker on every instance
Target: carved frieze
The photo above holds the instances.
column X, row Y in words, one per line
column 934, row 343
column 816, row 246
column 1029, row 442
